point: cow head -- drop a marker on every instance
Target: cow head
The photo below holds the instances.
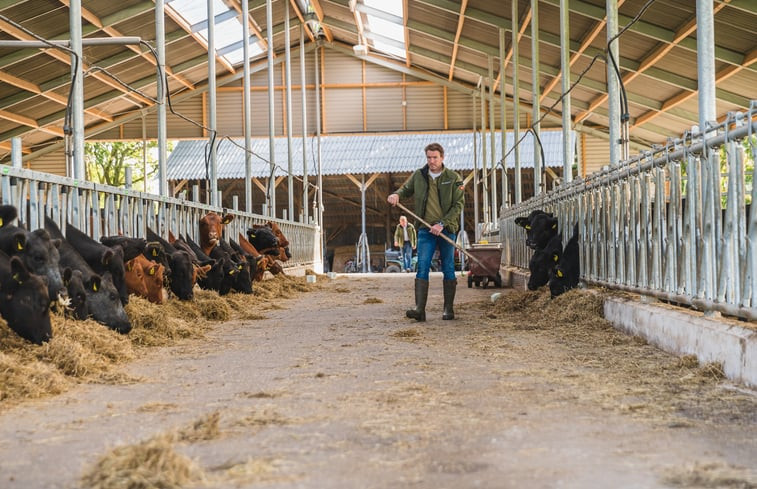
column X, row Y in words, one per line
column 104, row 303
column 543, row 262
column 211, row 229
column 284, row 253
column 39, row 252
column 543, row 227
column 24, row 301
column 182, row 275
column 77, row 306
column 135, row 277
column 263, row 239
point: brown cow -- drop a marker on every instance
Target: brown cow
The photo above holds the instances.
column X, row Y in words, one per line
column 284, row 253
column 262, row 262
column 211, row 230
column 147, row 277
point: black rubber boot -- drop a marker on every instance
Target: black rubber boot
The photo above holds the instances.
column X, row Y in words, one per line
column 450, row 286
column 421, row 295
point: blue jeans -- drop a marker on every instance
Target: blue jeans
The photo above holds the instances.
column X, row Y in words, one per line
column 407, row 256
column 427, row 244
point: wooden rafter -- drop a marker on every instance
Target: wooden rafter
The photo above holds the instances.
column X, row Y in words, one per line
column 113, row 32
column 406, row 32
column 585, row 43
column 319, row 13
column 460, row 22
column 188, row 28
column 296, row 7
column 29, row 122
column 650, row 59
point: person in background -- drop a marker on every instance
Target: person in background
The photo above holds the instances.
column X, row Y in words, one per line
column 406, row 239
column 439, row 196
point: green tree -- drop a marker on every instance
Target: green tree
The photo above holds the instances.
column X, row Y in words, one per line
column 106, row 162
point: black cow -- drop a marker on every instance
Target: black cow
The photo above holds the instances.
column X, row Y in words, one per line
column 540, row 227
column 220, row 276
column 181, row 278
column 7, row 214
column 37, row 250
column 24, row 301
column 132, row 247
column 101, row 258
column 543, row 261
column 103, row 302
column 263, row 239
column 77, row 295
column 243, row 277
column 566, row 274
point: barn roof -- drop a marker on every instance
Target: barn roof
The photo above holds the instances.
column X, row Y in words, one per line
column 355, row 154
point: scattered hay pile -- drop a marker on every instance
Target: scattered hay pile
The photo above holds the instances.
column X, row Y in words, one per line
column 711, row 475
column 625, row 372
column 86, row 351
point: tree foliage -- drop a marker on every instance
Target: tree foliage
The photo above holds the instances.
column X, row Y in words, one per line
column 106, row 162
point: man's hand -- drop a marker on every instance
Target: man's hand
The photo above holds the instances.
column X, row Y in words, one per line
column 436, row 229
column 393, row 199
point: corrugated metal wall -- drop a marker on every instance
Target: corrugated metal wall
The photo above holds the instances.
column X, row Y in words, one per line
column 597, row 153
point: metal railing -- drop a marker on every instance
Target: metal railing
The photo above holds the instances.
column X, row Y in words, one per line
column 672, row 223
column 102, row 210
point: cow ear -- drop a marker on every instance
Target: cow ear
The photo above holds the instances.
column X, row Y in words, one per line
column 106, row 257
column 56, row 242
column 19, row 273
column 227, row 218
column 67, row 274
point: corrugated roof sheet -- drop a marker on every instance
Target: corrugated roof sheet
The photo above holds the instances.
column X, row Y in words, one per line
column 354, row 154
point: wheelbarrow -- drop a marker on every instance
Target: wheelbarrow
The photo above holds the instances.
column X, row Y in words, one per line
column 489, row 257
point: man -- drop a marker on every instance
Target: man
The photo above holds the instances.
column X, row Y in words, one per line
column 406, row 238
column 439, row 198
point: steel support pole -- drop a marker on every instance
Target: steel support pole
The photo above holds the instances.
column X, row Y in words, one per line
column 613, row 90
column 567, row 150
column 516, row 105
column 493, row 152
column 484, row 169
column 536, row 94
column 213, row 184
column 503, row 115
column 160, row 41
column 304, row 116
column 319, row 177
column 706, row 63
column 476, row 233
column 247, row 107
column 77, row 77
column 271, row 198
column 16, row 153
column 288, row 93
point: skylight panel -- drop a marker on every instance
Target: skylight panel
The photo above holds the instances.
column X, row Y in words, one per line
column 393, row 32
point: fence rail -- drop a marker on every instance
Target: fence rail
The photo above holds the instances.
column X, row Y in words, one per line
column 102, row 210
column 673, row 223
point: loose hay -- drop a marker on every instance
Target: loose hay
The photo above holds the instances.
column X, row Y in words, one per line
column 205, row 428
column 373, row 300
column 711, row 476
column 147, row 465
column 158, row 325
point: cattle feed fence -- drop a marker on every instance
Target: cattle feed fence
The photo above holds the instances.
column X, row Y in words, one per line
column 102, row 210
column 675, row 223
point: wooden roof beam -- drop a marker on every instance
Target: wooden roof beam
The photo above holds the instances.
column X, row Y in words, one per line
column 406, row 32
column 455, row 45
column 29, row 122
column 319, row 13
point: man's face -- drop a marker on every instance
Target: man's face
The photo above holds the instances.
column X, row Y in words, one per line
column 403, row 221
column 435, row 161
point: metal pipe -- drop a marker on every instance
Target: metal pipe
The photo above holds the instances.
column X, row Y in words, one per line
column 246, row 106
column 516, row 104
column 484, row 168
column 90, row 41
column 535, row 94
column 318, row 139
column 503, row 115
column 271, row 197
column 77, row 77
column 493, row 152
column 567, row 153
column 303, row 87
column 706, row 63
column 613, row 91
column 16, row 153
column 476, row 232
column 288, row 94
column 160, row 40
column 212, row 105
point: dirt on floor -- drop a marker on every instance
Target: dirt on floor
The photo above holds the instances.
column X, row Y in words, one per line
column 328, row 385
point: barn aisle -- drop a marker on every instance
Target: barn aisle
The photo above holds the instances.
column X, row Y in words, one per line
column 336, row 389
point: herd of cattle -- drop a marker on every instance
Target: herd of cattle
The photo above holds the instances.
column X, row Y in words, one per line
column 551, row 263
column 94, row 279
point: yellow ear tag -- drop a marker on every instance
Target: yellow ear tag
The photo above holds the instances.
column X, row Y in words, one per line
column 555, row 257
column 239, row 267
column 152, row 271
column 252, row 236
column 554, row 226
column 19, row 246
column 154, row 252
column 94, row 287
column 559, row 273
column 15, row 277
column 528, row 226
column 1, row 222
column 231, row 272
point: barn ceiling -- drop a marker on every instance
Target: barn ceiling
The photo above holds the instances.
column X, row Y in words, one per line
column 450, row 42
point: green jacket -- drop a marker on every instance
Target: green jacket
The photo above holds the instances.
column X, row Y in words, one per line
column 399, row 236
column 451, row 195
